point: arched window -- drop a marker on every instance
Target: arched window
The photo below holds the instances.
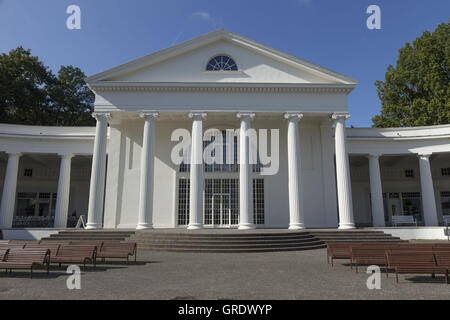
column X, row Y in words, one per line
column 221, row 63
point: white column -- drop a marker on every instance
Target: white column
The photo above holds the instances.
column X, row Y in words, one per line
column 245, row 173
column 97, row 187
column 196, row 176
column 328, row 174
column 9, row 191
column 428, row 197
column 344, row 189
column 296, row 214
column 376, row 192
column 62, row 200
column 147, row 172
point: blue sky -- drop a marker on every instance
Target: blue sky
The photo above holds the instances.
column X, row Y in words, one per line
column 330, row 33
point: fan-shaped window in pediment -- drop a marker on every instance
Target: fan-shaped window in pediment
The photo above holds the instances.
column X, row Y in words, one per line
column 221, row 63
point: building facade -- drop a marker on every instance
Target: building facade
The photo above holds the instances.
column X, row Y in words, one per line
column 221, row 132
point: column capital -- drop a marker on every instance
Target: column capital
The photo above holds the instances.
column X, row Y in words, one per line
column 100, row 115
column 66, row 155
column 340, row 116
column 197, row 115
column 14, row 154
column 245, row 115
column 293, row 116
column 374, row 155
column 149, row 114
column 425, row 155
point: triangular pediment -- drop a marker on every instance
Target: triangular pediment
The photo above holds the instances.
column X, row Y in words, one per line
column 186, row 63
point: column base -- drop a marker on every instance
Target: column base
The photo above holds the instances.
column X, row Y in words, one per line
column 378, row 225
column 144, row 226
column 344, row 226
column 93, row 226
column 195, row 226
column 297, row 226
column 246, row 226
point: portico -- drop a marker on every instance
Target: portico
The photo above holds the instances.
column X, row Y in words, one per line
column 274, row 126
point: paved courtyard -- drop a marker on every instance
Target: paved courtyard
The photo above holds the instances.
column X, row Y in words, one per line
column 163, row 275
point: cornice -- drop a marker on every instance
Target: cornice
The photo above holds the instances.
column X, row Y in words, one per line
column 222, row 87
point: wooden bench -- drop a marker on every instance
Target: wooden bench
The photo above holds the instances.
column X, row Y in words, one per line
column 26, row 259
column 442, row 258
column 403, row 220
column 12, row 245
column 53, row 247
column 419, row 262
column 361, row 255
column 118, row 250
column 338, row 250
column 75, row 254
column 3, row 253
column 342, row 250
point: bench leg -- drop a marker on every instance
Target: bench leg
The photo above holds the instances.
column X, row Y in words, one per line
column 446, row 277
column 31, row 273
column 332, row 261
column 396, row 276
column 356, row 267
column 135, row 257
column 328, row 259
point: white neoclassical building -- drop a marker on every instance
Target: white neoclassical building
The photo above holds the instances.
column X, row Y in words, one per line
column 313, row 173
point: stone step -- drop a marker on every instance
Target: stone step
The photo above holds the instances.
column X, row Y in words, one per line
column 231, row 234
column 220, row 242
column 362, row 240
column 235, row 250
column 218, row 238
column 225, row 245
column 228, row 246
column 354, row 236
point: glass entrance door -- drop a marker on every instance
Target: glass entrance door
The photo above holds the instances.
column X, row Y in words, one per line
column 221, row 213
column 221, row 203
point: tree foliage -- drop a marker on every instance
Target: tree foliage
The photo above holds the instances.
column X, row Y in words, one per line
column 416, row 92
column 31, row 94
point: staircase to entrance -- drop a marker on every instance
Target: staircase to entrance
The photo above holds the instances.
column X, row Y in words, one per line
column 228, row 240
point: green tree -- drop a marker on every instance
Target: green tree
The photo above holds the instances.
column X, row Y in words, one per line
column 23, row 98
column 416, row 92
column 31, row 94
column 72, row 101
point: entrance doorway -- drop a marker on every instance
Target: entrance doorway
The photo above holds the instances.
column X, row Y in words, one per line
column 221, row 203
column 221, row 210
